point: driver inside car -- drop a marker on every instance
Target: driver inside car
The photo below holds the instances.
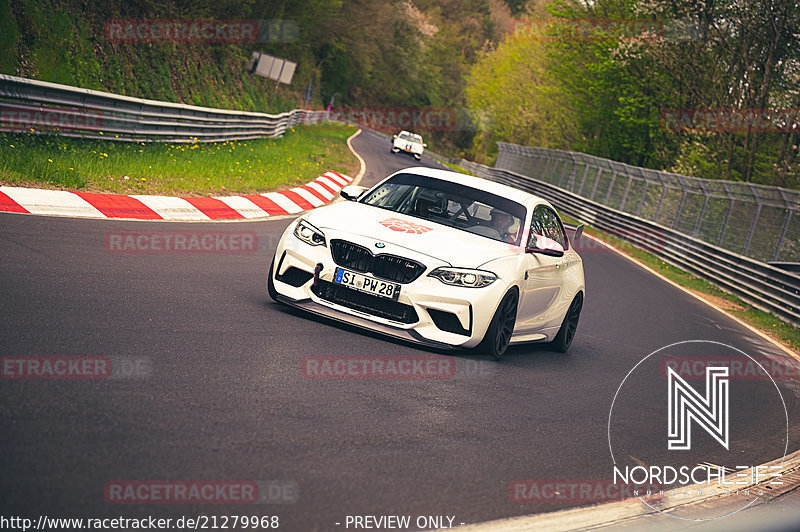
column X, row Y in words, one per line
column 501, row 221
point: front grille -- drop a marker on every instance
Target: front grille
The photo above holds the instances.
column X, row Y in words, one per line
column 389, row 267
column 351, row 256
column 373, row 305
column 448, row 322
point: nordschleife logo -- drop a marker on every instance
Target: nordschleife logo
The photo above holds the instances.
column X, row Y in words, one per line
column 722, row 417
column 685, row 405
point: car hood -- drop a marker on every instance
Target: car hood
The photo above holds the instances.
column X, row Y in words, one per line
column 454, row 246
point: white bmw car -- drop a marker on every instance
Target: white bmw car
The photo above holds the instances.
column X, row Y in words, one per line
column 410, row 143
column 435, row 257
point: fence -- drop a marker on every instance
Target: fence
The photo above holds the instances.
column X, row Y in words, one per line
column 28, row 105
column 762, row 285
column 758, row 221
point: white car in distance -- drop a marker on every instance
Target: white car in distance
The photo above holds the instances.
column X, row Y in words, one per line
column 408, row 142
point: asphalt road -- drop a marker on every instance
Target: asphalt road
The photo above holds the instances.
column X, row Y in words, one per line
column 220, row 394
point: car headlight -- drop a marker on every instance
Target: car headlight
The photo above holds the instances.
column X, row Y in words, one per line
column 309, row 234
column 464, row 277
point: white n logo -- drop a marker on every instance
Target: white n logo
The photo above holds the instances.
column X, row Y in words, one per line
column 686, row 404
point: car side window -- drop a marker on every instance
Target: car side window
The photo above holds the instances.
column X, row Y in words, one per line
column 546, row 223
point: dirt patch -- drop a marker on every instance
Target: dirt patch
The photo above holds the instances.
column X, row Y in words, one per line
column 717, row 301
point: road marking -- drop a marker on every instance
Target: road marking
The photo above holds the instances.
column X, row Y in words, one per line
column 363, row 169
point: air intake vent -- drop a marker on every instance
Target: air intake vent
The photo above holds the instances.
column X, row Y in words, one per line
column 373, row 305
column 448, row 322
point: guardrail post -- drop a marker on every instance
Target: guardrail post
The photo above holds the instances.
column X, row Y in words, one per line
column 644, row 195
column 522, row 163
column 528, row 164
column 727, row 215
column 554, row 168
column 752, row 231
column 661, row 199
column 546, row 171
column 596, row 182
column 678, row 211
column 531, row 161
column 583, row 179
column 611, row 185
column 702, row 213
column 627, row 189
column 571, row 178
column 776, row 255
column 562, row 169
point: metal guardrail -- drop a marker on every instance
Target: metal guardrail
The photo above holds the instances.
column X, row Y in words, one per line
column 764, row 286
column 758, row 221
column 28, row 105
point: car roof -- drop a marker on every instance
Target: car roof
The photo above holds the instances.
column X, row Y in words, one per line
column 479, row 183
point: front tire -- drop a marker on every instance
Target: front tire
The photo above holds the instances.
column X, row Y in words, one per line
column 566, row 333
column 498, row 335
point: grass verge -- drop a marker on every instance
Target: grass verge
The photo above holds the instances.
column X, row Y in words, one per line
column 453, row 167
column 201, row 169
column 765, row 322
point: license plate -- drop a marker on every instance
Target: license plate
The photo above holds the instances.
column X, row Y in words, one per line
column 360, row 282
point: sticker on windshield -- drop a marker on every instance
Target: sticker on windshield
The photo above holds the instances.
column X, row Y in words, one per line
column 402, row 226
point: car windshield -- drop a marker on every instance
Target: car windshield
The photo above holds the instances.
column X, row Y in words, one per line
column 451, row 204
column 410, row 138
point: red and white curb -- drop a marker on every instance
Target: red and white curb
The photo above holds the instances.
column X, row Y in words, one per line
column 139, row 207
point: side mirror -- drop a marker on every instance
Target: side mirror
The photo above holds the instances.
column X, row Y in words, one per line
column 424, row 145
column 352, row 192
column 544, row 246
column 545, row 251
column 577, row 235
column 394, row 136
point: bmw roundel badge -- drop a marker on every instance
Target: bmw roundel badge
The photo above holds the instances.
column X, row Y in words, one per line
column 380, row 245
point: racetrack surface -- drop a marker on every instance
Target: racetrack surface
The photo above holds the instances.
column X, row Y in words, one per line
column 225, row 398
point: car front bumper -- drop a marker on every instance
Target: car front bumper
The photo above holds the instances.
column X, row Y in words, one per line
column 427, row 311
column 416, row 152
